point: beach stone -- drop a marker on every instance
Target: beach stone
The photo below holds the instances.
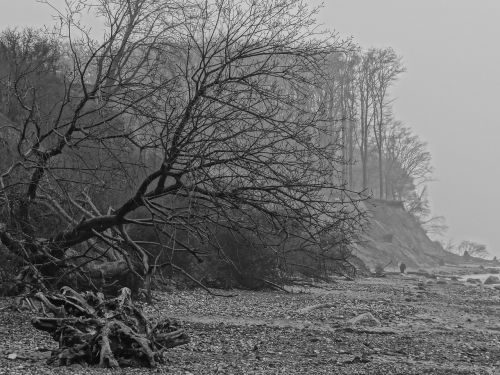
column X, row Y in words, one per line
column 315, row 307
column 492, row 280
column 442, row 282
column 473, row 281
column 366, row 320
column 426, row 274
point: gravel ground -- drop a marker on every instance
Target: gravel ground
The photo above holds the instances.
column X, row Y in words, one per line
column 425, row 328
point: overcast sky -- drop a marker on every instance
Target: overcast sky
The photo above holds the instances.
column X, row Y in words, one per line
column 449, row 94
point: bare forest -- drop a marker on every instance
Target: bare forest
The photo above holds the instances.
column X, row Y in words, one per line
column 215, row 144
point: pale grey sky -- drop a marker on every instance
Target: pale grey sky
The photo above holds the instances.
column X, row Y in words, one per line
column 449, row 94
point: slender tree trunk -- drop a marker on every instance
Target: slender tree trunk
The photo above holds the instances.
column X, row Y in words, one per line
column 351, row 153
column 386, row 186
column 344, row 150
column 380, row 172
column 365, row 163
column 364, row 141
column 380, row 149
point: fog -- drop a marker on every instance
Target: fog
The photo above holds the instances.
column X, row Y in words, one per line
column 449, row 94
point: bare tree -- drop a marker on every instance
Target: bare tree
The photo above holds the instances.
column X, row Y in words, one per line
column 366, row 87
column 347, row 66
column 339, row 94
column 472, row 249
column 408, row 162
column 350, row 111
column 387, row 68
column 417, row 203
column 197, row 115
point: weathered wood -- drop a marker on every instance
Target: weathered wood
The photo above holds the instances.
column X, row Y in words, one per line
column 106, row 333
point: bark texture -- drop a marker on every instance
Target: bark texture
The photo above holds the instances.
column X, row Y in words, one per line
column 106, row 333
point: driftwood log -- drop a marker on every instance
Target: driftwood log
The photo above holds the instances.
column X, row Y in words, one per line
column 107, row 333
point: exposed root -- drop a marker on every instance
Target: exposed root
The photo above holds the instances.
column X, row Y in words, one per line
column 107, row 333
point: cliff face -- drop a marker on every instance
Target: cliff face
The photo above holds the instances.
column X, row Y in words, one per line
column 392, row 234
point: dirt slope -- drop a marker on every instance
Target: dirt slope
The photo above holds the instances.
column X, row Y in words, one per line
column 394, row 235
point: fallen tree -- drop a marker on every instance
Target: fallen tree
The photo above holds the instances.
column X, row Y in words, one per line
column 183, row 118
column 104, row 332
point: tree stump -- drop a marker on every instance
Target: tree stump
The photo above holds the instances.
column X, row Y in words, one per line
column 107, row 333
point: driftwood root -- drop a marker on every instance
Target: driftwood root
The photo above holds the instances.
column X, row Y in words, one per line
column 108, row 333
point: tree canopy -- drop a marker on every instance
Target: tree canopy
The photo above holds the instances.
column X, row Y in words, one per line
column 183, row 118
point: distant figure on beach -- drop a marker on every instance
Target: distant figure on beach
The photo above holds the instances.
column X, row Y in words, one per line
column 402, row 267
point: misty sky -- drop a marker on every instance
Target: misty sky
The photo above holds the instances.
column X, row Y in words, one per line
column 449, row 94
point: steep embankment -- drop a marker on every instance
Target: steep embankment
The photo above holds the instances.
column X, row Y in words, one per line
column 392, row 234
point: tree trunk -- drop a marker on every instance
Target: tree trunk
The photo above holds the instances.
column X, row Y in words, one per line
column 351, row 154
column 364, row 162
column 380, row 171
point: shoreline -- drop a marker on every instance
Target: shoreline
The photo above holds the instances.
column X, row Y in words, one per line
column 416, row 326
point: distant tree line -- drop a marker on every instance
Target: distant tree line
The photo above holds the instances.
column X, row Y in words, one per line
column 386, row 159
column 468, row 248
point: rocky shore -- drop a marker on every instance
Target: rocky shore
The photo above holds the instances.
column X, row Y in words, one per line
column 398, row 324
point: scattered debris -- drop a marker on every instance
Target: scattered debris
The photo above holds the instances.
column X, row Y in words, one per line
column 452, row 331
column 307, row 309
column 372, row 331
column 365, row 320
column 357, row 359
